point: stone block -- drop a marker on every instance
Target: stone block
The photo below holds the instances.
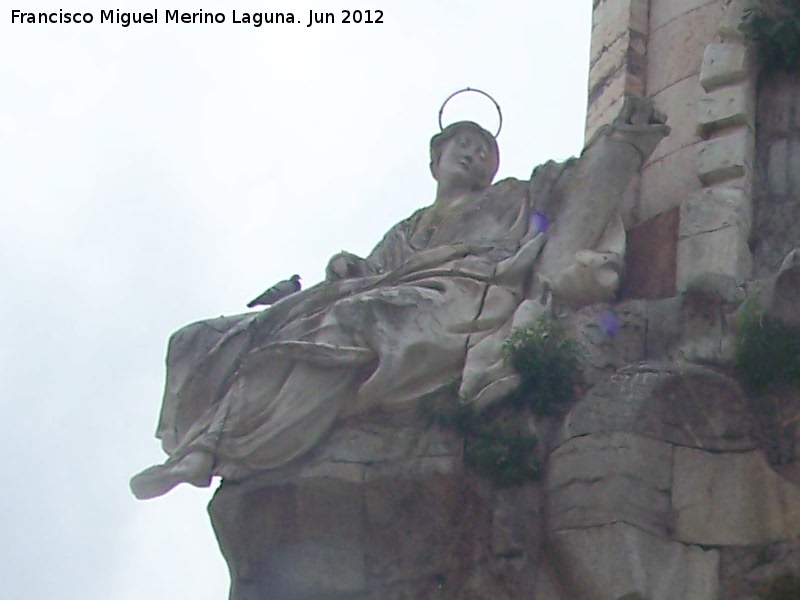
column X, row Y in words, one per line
column 613, row 19
column 621, row 561
column 734, row 12
column 675, row 50
column 723, row 251
column 732, row 500
column 316, row 568
column 679, row 102
column 610, row 60
column 664, row 11
column 726, row 157
column 650, row 260
column 713, row 209
column 667, row 181
column 607, row 103
column 778, row 168
column 329, row 508
column 687, row 406
column 609, row 338
column 420, row 527
column 724, row 63
column 517, row 521
column 601, row 479
column 731, row 105
column 778, row 99
column 663, row 326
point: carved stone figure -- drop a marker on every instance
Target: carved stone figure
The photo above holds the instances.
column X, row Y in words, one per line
column 433, row 302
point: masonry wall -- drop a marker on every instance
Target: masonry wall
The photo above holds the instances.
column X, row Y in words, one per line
column 776, row 229
column 694, row 195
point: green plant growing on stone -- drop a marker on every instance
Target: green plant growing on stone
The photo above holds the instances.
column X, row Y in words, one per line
column 497, row 442
column 775, row 25
column 548, row 361
column 783, row 587
column 767, row 351
column 767, row 365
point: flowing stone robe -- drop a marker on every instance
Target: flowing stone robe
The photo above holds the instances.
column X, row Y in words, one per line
column 436, row 300
column 257, row 390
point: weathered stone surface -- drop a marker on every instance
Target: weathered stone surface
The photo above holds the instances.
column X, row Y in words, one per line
column 714, row 209
column 732, row 499
column 726, row 157
column 777, row 101
column 667, row 181
column 776, row 233
column 614, row 561
column 664, row 11
column 713, row 236
column 705, row 314
column 603, row 479
column 724, row 63
column 517, row 521
column 609, row 62
column 722, row 251
column 777, row 213
column 747, row 571
column 682, row 97
column 610, row 338
column 684, row 405
column 683, row 40
column 413, row 526
column 733, row 14
column 663, row 327
column 410, row 524
column 612, row 19
column 780, row 297
column 726, row 106
column 608, row 98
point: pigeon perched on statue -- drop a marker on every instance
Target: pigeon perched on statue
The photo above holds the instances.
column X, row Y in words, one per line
column 279, row 291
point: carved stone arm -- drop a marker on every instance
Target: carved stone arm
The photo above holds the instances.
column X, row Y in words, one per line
column 639, row 125
column 592, row 186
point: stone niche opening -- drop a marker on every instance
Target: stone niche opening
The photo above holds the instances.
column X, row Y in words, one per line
column 776, row 228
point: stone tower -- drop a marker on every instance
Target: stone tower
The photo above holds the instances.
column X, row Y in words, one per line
column 715, row 193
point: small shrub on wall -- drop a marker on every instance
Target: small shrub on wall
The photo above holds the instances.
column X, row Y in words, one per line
column 775, row 25
column 498, row 441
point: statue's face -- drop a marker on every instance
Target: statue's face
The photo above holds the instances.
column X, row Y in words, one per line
column 465, row 160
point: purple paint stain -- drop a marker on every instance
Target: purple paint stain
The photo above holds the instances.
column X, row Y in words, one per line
column 608, row 322
column 539, row 222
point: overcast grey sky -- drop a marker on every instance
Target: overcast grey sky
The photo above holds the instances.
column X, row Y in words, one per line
column 162, row 173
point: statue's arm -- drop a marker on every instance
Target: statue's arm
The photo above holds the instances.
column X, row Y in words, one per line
column 393, row 251
column 618, row 151
column 586, row 241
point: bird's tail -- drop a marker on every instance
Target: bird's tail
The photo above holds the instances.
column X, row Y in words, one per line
column 251, row 304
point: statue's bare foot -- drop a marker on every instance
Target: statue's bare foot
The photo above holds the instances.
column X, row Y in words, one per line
column 194, row 468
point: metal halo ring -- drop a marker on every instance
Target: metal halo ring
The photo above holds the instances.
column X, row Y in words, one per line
column 469, row 89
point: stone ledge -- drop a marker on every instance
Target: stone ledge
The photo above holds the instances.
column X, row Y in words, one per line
column 724, row 63
column 726, row 157
column 723, row 107
column 713, row 209
column 722, row 251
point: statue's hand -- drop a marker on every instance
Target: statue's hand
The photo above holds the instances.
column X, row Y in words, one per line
column 345, row 265
column 593, row 277
column 640, row 124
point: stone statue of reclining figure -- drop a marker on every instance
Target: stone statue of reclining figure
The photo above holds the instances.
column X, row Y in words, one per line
column 433, row 302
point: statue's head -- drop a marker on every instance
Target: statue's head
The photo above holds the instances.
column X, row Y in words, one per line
column 464, row 154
